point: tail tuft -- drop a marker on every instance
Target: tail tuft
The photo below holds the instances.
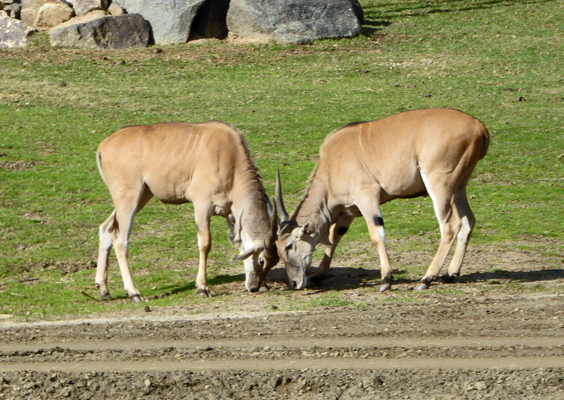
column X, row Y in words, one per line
column 485, row 144
column 99, row 162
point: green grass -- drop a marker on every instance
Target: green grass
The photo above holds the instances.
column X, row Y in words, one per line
column 500, row 61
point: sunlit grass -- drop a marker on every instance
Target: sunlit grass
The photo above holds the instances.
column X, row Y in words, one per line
column 500, row 61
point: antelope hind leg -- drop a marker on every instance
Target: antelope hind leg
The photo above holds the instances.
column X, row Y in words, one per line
column 104, row 257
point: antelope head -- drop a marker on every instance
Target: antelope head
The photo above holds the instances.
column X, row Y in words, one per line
column 295, row 243
column 259, row 260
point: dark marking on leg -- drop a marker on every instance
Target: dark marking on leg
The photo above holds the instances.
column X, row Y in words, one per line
column 378, row 221
column 342, row 230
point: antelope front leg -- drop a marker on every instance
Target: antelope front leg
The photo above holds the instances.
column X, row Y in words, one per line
column 370, row 210
column 336, row 233
column 204, row 244
column 376, row 230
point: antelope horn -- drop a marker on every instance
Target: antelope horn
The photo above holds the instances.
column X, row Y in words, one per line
column 270, row 237
column 274, row 223
column 278, row 199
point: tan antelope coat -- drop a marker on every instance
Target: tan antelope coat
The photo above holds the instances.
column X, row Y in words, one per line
column 207, row 164
column 364, row 165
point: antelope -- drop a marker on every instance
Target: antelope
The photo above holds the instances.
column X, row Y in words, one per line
column 366, row 164
column 208, row 164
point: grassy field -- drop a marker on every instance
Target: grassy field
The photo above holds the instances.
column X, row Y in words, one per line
column 500, row 61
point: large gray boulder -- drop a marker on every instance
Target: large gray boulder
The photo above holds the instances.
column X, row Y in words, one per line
column 122, row 32
column 294, row 21
column 171, row 20
column 13, row 33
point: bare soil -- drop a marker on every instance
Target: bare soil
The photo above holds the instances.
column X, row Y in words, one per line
column 471, row 347
column 480, row 340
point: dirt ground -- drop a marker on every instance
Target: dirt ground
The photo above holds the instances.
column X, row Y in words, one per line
column 478, row 342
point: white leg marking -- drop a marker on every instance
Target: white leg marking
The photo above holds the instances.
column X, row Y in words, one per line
column 434, row 199
column 382, row 235
column 247, row 244
column 463, row 233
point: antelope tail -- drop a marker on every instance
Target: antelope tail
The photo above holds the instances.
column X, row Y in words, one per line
column 99, row 162
column 485, row 144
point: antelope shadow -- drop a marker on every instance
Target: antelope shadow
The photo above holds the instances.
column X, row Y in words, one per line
column 344, row 278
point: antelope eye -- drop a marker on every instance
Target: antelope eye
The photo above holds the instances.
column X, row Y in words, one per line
column 261, row 262
column 289, row 246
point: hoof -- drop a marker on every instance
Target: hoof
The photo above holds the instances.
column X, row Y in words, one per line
column 316, row 280
column 136, row 298
column 106, row 297
column 386, row 283
column 446, row 278
column 206, row 292
column 385, row 286
column 422, row 286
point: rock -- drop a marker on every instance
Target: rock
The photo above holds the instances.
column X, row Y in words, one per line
column 85, row 18
column 115, row 10
column 121, row 32
column 13, row 33
column 7, row 2
column 357, row 9
column 171, row 20
column 12, row 8
column 53, row 14
column 210, row 22
column 83, row 7
column 30, row 8
column 293, row 21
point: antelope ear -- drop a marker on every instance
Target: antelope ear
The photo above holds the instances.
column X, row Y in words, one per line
column 245, row 255
column 304, row 230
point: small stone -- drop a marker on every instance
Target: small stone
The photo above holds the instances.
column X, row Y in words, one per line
column 115, row 10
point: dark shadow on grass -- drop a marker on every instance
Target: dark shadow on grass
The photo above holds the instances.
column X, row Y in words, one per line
column 343, row 278
column 513, row 276
column 371, row 28
column 375, row 18
column 218, row 280
column 409, row 9
column 354, row 278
